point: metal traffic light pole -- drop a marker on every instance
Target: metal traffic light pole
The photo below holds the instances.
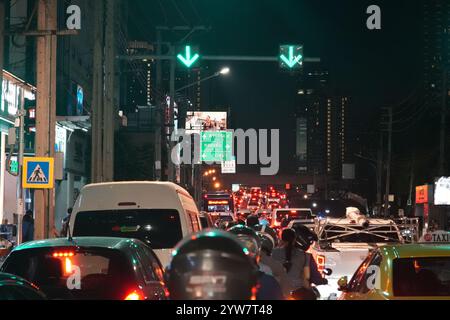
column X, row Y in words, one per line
column 20, row 202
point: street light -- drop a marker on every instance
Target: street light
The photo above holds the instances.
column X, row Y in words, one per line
column 224, row 71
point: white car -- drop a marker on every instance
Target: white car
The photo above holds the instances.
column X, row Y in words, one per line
column 345, row 243
column 159, row 214
column 280, row 216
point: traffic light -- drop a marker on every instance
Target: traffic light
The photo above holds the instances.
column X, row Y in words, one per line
column 291, row 57
column 189, row 56
column 30, row 124
column 30, row 116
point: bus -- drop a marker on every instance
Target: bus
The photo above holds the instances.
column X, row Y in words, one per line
column 218, row 205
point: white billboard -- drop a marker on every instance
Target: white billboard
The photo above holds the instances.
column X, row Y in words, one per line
column 197, row 121
column 229, row 167
column 442, row 192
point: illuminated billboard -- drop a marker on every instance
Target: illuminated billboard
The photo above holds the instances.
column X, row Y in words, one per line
column 442, row 192
column 197, row 121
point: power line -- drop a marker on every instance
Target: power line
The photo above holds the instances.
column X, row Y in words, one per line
column 179, row 12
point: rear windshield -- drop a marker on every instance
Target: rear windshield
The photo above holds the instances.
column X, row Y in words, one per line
column 422, row 277
column 67, row 274
column 204, row 222
column 159, row 229
column 293, row 214
column 359, row 234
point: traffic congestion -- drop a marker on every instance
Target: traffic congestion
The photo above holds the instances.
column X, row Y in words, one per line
column 148, row 241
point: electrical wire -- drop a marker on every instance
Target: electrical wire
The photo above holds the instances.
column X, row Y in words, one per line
column 180, row 13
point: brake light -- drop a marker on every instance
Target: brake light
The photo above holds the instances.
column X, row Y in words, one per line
column 63, row 254
column 68, row 266
column 320, row 263
column 135, row 296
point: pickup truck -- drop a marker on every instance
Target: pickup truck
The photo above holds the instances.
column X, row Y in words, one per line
column 344, row 244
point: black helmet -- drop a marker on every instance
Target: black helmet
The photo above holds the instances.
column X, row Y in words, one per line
column 305, row 236
column 267, row 242
column 249, row 239
column 252, row 221
column 211, row 265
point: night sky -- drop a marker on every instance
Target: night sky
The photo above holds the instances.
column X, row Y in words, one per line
column 375, row 68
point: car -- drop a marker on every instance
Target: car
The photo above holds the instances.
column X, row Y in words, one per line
column 223, row 217
column 14, row 288
column 206, row 221
column 243, row 214
column 344, row 243
column 401, row 272
column 309, row 223
column 89, row 268
column 159, row 214
column 282, row 217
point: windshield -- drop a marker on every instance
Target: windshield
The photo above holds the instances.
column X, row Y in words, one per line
column 422, row 277
column 160, row 229
column 359, row 234
column 63, row 273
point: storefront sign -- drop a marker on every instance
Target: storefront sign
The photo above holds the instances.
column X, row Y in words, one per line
column 422, row 194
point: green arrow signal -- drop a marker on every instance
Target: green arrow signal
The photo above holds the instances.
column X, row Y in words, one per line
column 291, row 61
column 187, row 60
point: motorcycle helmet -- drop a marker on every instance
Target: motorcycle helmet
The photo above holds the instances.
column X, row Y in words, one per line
column 211, row 265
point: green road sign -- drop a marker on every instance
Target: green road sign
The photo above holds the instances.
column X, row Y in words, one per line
column 216, row 146
column 14, row 166
column 291, row 57
column 188, row 59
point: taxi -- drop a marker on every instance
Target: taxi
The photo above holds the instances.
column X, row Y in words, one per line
column 401, row 272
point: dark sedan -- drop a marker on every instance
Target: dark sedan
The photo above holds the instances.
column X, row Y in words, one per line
column 90, row 269
column 15, row 288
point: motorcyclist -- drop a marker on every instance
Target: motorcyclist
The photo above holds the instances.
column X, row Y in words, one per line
column 276, row 268
column 305, row 239
column 211, row 265
column 269, row 288
column 253, row 222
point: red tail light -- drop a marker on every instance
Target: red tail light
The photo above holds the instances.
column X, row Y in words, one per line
column 320, row 263
column 134, row 295
column 63, row 254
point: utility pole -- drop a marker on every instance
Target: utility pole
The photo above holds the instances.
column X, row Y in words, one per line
column 109, row 106
column 46, row 110
column 443, row 124
column 20, row 202
column 171, row 129
column 97, row 96
column 388, row 164
column 2, row 31
column 411, row 181
column 380, row 170
column 103, row 124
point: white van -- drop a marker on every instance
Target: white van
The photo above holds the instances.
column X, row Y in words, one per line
column 157, row 213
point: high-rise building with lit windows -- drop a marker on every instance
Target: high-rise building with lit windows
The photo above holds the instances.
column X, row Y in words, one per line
column 323, row 143
column 139, row 91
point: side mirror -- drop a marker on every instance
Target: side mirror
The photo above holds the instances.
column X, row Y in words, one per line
column 328, row 272
column 343, row 284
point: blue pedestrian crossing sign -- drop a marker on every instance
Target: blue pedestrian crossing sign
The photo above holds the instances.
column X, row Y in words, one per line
column 38, row 173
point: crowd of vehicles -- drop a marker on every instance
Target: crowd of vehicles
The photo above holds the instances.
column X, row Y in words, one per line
column 123, row 237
